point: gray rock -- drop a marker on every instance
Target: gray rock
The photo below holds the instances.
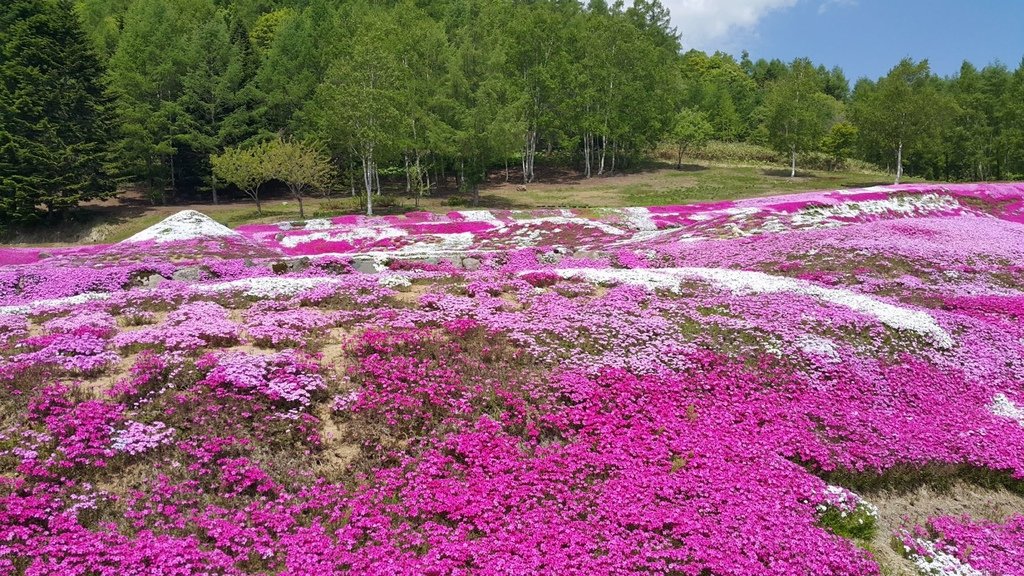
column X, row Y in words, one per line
column 188, row 274
column 551, row 258
column 427, row 260
column 364, row 265
column 590, row 255
column 298, row 264
column 151, row 281
column 471, row 264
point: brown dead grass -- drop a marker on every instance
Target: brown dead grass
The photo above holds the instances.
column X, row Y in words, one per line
column 332, row 463
column 908, row 508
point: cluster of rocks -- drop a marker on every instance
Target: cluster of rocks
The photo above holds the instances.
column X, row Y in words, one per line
column 361, row 264
column 372, row 265
column 185, row 274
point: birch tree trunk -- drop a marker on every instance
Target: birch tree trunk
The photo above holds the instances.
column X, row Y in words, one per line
column 586, row 155
column 604, row 146
column 899, row 162
column 408, row 177
column 368, row 183
column 792, row 166
column 529, row 152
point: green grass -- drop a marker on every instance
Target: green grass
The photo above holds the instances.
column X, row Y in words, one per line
column 857, row 525
column 717, row 183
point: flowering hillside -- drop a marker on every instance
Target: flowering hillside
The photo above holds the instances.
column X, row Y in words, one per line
column 716, row 389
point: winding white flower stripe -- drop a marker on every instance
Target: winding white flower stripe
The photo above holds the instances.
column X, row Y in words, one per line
column 21, row 309
column 266, row 286
column 742, row 282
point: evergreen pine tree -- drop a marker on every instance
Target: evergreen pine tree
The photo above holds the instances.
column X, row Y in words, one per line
column 55, row 117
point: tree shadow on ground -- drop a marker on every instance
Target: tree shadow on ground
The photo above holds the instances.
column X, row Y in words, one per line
column 692, row 168
column 785, row 173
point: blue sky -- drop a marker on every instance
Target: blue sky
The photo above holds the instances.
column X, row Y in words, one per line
column 864, row 37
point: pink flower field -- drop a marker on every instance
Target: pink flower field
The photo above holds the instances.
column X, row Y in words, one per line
column 717, row 389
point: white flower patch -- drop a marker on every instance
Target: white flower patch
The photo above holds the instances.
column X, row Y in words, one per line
column 478, row 216
column 185, row 225
column 639, row 218
column 447, row 244
column 647, row 235
column 741, row 212
column 54, row 303
column 649, row 278
column 266, row 286
column 819, row 347
column 357, row 233
column 394, row 281
column 318, row 224
column 1003, row 406
column 748, row 282
column 820, row 215
column 562, row 220
column 935, row 562
column 845, row 501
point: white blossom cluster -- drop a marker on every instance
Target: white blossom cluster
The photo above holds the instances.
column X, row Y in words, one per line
column 185, row 225
column 1003, row 406
column 54, row 303
column 935, row 562
column 266, row 286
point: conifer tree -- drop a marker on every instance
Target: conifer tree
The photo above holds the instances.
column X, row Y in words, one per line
column 55, row 118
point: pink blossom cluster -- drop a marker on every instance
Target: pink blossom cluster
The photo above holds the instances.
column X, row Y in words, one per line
column 82, row 351
column 287, row 376
column 190, row 327
column 286, row 326
column 138, row 437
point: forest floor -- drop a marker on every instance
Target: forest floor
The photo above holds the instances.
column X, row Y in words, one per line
column 659, row 184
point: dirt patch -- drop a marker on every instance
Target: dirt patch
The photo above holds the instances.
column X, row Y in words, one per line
column 410, row 295
column 97, row 387
column 332, row 463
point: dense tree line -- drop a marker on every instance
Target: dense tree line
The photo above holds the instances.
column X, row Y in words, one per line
column 430, row 92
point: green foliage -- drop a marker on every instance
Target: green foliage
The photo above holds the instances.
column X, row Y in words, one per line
column 300, row 165
column 54, row 114
column 901, row 111
column 840, row 143
column 860, row 524
column 797, row 112
column 265, row 29
column 245, row 167
column 690, row 130
column 102, row 21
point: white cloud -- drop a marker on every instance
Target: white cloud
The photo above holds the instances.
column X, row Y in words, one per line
column 713, row 24
column 826, row 4
column 727, row 25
